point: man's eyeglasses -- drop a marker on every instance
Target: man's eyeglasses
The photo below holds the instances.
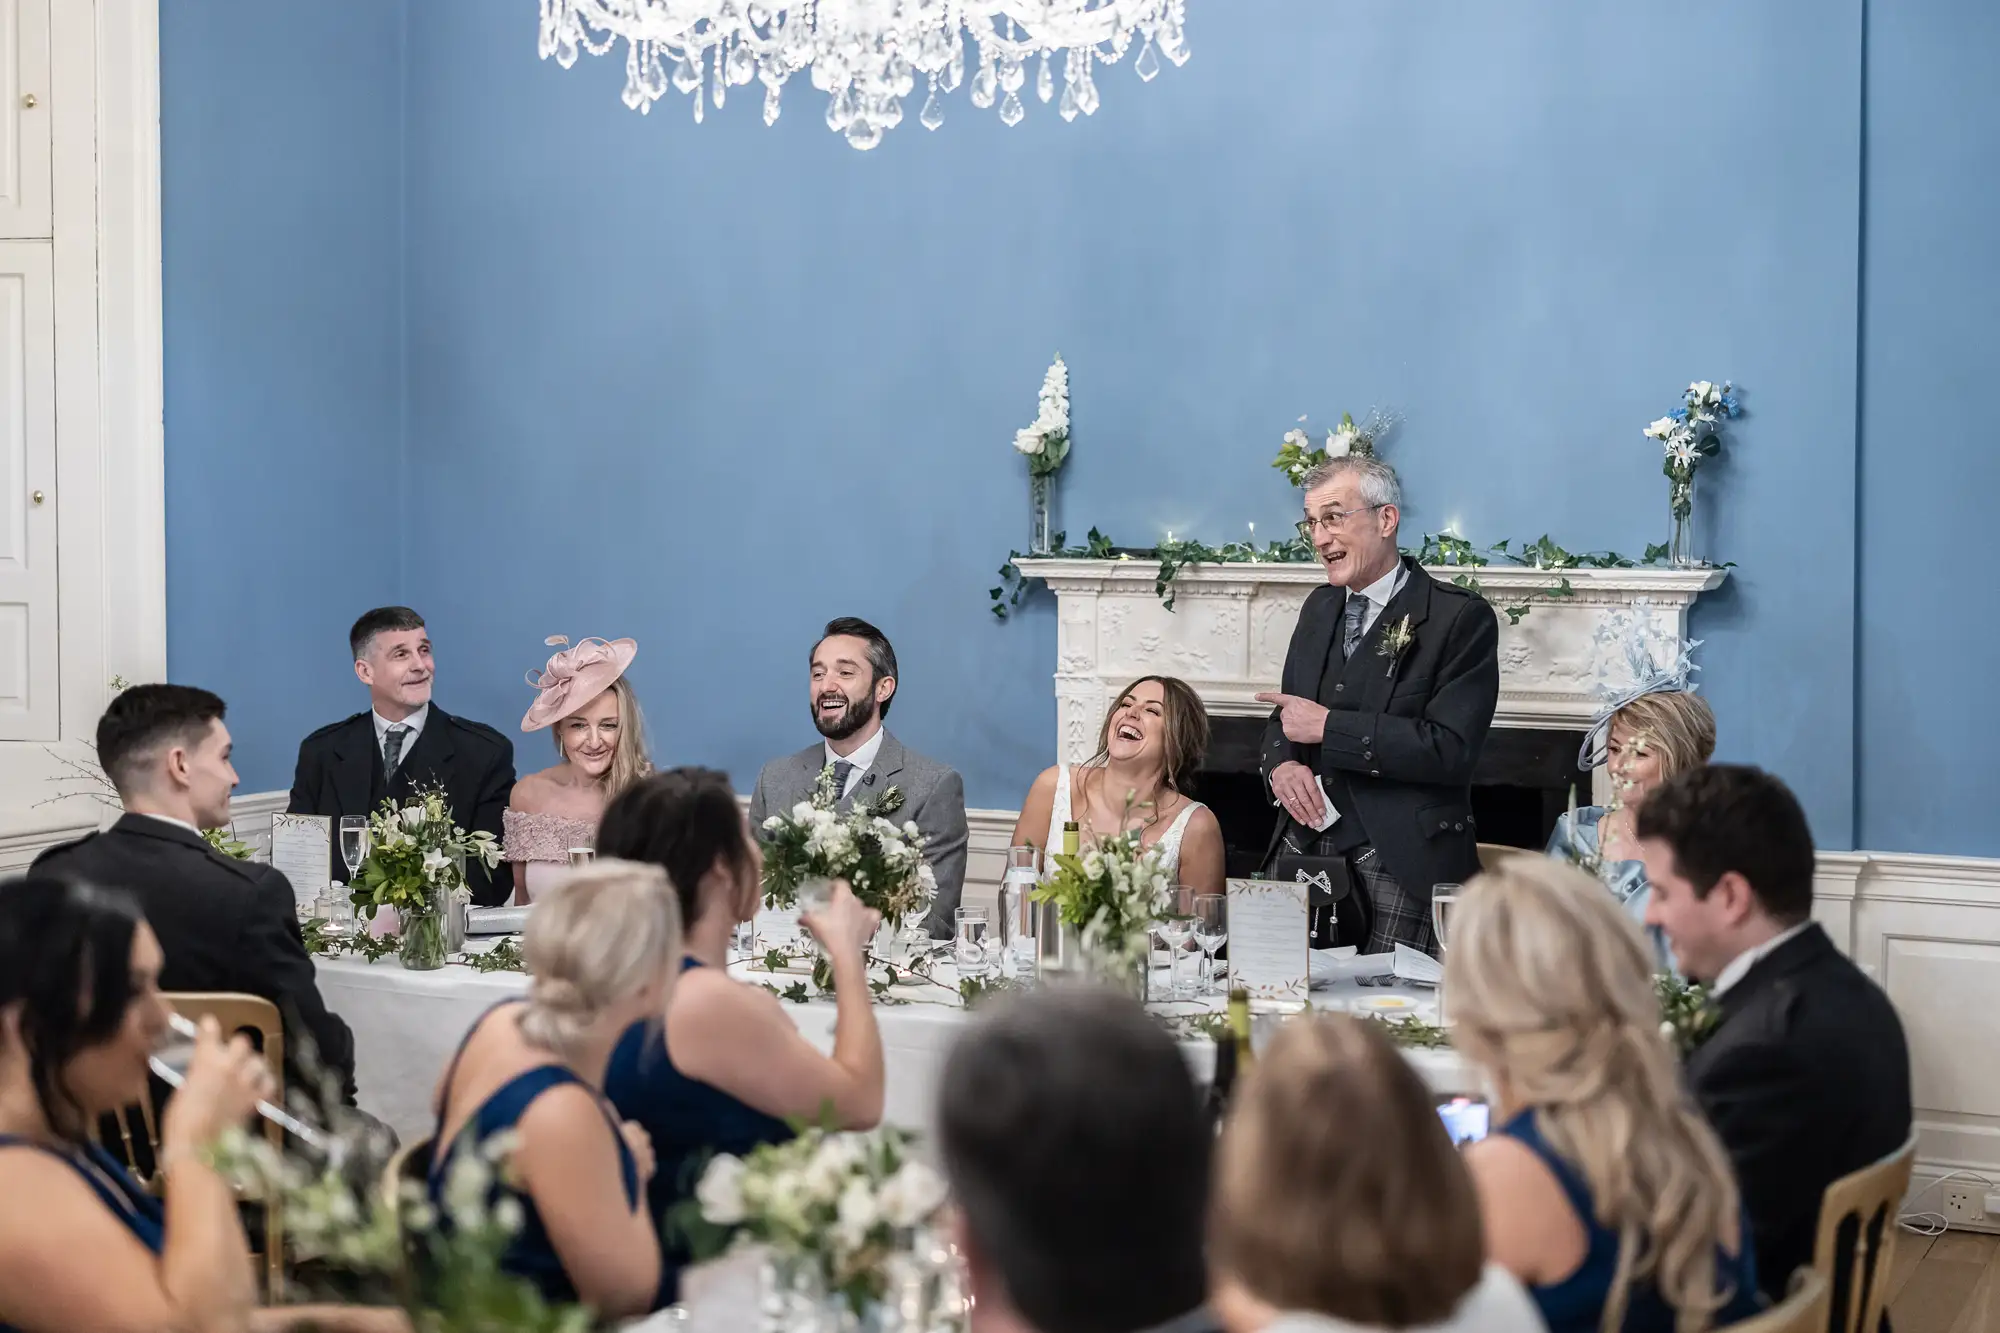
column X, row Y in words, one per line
column 1331, row 519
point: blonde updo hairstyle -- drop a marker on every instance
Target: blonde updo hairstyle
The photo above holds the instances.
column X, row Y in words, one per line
column 1552, row 991
column 604, row 933
column 1674, row 724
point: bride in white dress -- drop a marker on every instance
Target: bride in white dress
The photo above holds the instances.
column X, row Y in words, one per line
column 1150, row 745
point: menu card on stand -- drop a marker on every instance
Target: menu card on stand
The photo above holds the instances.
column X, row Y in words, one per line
column 1270, row 933
column 302, row 848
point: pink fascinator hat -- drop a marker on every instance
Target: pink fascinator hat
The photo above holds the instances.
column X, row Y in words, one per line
column 575, row 676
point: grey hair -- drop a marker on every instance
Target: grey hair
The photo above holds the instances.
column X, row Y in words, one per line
column 602, row 934
column 1376, row 478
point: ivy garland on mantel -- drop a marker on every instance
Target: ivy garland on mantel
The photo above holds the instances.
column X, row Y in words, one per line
column 1438, row 549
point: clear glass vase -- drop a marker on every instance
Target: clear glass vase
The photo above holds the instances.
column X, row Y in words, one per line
column 423, row 942
column 1680, row 507
column 1040, row 489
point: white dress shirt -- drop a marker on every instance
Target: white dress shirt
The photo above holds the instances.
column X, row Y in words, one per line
column 863, row 759
column 414, row 722
column 1379, row 593
column 1741, row 964
column 169, row 819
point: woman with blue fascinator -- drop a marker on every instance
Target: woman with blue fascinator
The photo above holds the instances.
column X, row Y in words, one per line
column 1644, row 734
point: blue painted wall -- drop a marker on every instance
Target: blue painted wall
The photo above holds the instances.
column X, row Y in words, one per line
column 281, row 132
column 711, row 385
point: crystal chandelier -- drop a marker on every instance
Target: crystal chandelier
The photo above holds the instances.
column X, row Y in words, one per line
column 867, row 55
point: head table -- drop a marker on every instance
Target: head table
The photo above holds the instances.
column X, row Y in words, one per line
column 407, row 1024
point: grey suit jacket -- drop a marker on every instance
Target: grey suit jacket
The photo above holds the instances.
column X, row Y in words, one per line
column 933, row 796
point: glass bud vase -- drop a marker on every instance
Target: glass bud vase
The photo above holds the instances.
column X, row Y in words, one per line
column 422, row 948
column 1039, row 488
column 1680, row 546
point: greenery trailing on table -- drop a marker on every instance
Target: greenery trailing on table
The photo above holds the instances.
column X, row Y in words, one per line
column 505, row 956
column 371, row 948
column 975, row 991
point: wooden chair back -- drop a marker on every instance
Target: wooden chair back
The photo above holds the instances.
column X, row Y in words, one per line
column 1492, row 854
column 1857, row 1238
column 1804, row 1311
column 233, row 1014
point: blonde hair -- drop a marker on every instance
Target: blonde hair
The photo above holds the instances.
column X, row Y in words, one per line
column 629, row 761
column 1337, row 1189
column 1551, row 989
column 1674, row 724
column 603, row 933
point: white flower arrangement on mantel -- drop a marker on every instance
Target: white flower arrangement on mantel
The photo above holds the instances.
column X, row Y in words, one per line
column 1045, row 443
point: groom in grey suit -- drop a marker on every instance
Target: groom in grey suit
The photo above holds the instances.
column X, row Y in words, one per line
column 853, row 684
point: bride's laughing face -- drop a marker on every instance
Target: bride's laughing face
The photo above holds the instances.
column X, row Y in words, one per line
column 1139, row 725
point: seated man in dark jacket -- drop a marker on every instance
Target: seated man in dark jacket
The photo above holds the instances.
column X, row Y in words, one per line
column 1805, row 1075
column 223, row 924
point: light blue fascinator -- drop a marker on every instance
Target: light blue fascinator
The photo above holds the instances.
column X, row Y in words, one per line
column 1634, row 659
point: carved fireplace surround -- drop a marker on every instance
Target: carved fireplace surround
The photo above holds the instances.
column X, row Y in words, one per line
column 1231, row 624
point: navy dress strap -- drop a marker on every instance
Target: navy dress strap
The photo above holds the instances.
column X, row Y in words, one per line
column 143, row 1215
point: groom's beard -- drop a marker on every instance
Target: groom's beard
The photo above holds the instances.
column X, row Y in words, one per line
column 857, row 714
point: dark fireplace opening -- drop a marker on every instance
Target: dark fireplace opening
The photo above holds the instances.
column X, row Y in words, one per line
column 1521, row 783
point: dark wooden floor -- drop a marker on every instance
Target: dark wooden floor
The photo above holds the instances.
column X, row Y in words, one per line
column 1946, row 1284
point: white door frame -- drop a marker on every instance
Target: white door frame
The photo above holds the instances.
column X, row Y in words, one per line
column 104, row 109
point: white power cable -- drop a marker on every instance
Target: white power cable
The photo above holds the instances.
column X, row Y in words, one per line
column 1926, row 1223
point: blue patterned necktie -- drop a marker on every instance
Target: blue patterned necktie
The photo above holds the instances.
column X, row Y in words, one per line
column 842, row 770
column 392, row 749
column 1350, row 633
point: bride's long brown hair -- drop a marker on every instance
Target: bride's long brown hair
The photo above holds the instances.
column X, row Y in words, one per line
column 1185, row 741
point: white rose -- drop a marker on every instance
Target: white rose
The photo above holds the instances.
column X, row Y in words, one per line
column 911, row 1195
column 413, row 816
column 1662, row 428
column 1030, row 441
column 774, row 823
column 803, row 812
column 858, row 1215
column 911, row 831
column 1340, row 443
column 926, row 879
column 1295, row 437
column 721, row 1191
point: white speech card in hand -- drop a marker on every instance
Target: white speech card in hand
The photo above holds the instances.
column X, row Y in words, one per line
column 1270, row 928
column 302, row 849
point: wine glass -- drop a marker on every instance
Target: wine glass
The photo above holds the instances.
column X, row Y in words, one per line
column 1444, row 905
column 1211, row 932
column 971, row 923
column 1174, row 927
column 353, row 842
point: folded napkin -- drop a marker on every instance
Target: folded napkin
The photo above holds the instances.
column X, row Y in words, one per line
column 1417, row 967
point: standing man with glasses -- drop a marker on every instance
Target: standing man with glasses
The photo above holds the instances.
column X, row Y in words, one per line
column 1389, row 687
column 404, row 744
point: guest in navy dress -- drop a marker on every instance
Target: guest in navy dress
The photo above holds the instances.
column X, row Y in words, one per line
column 730, row 1070
column 524, row 1092
column 83, row 1245
column 1602, row 1188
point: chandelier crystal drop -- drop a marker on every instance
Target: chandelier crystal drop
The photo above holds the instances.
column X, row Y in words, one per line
column 868, row 55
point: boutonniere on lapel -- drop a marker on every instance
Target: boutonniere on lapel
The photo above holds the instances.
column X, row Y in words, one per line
column 1396, row 641
column 1687, row 1019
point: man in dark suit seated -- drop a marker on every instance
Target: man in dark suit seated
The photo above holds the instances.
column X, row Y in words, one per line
column 223, row 924
column 404, row 744
column 1805, row 1075
column 1389, row 689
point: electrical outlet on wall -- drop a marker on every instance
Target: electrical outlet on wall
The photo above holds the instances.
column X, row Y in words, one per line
column 1965, row 1203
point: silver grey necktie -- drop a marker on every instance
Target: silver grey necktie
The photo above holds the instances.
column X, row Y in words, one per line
column 1350, row 633
column 842, row 771
column 392, row 748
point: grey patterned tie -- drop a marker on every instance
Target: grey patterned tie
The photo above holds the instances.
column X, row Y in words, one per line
column 392, row 749
column 842, row 771
column 1350, row 632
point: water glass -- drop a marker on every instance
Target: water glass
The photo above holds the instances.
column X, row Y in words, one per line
column 1211, row 932
column 581, row 856
column 971, row 942
column 1444, row 904
column 353, row 841
column 1175, row 927
column 1018, row 913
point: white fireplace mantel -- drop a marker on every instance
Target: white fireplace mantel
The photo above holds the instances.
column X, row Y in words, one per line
column 1231, row 624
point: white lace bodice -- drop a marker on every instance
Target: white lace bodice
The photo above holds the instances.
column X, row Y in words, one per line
column 1169, row 845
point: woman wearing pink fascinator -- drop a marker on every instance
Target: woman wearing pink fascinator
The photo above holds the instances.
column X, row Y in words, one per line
column 582, row 696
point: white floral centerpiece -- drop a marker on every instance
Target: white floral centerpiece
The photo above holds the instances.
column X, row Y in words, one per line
column 882, row 862
column 1045, row 442
column 835, row 1209
column 416, row 865
column 1689, row 434
column 1110, row 895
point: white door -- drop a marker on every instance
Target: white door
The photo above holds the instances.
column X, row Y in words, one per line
column 27, row 494
column 24, row 118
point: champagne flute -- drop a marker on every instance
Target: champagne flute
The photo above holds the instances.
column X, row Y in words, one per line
column 1444, row 905
column 353, row 843
column 170, row 1062
column 1175, row 926
column 1211, row 932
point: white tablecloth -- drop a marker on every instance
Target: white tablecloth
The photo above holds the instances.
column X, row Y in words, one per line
column 407, row 1024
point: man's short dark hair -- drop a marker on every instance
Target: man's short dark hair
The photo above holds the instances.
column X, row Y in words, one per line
column 881, row 657
column 382, row 620
column 1724, row 817
column 144, row 719
column 1077, row 1151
